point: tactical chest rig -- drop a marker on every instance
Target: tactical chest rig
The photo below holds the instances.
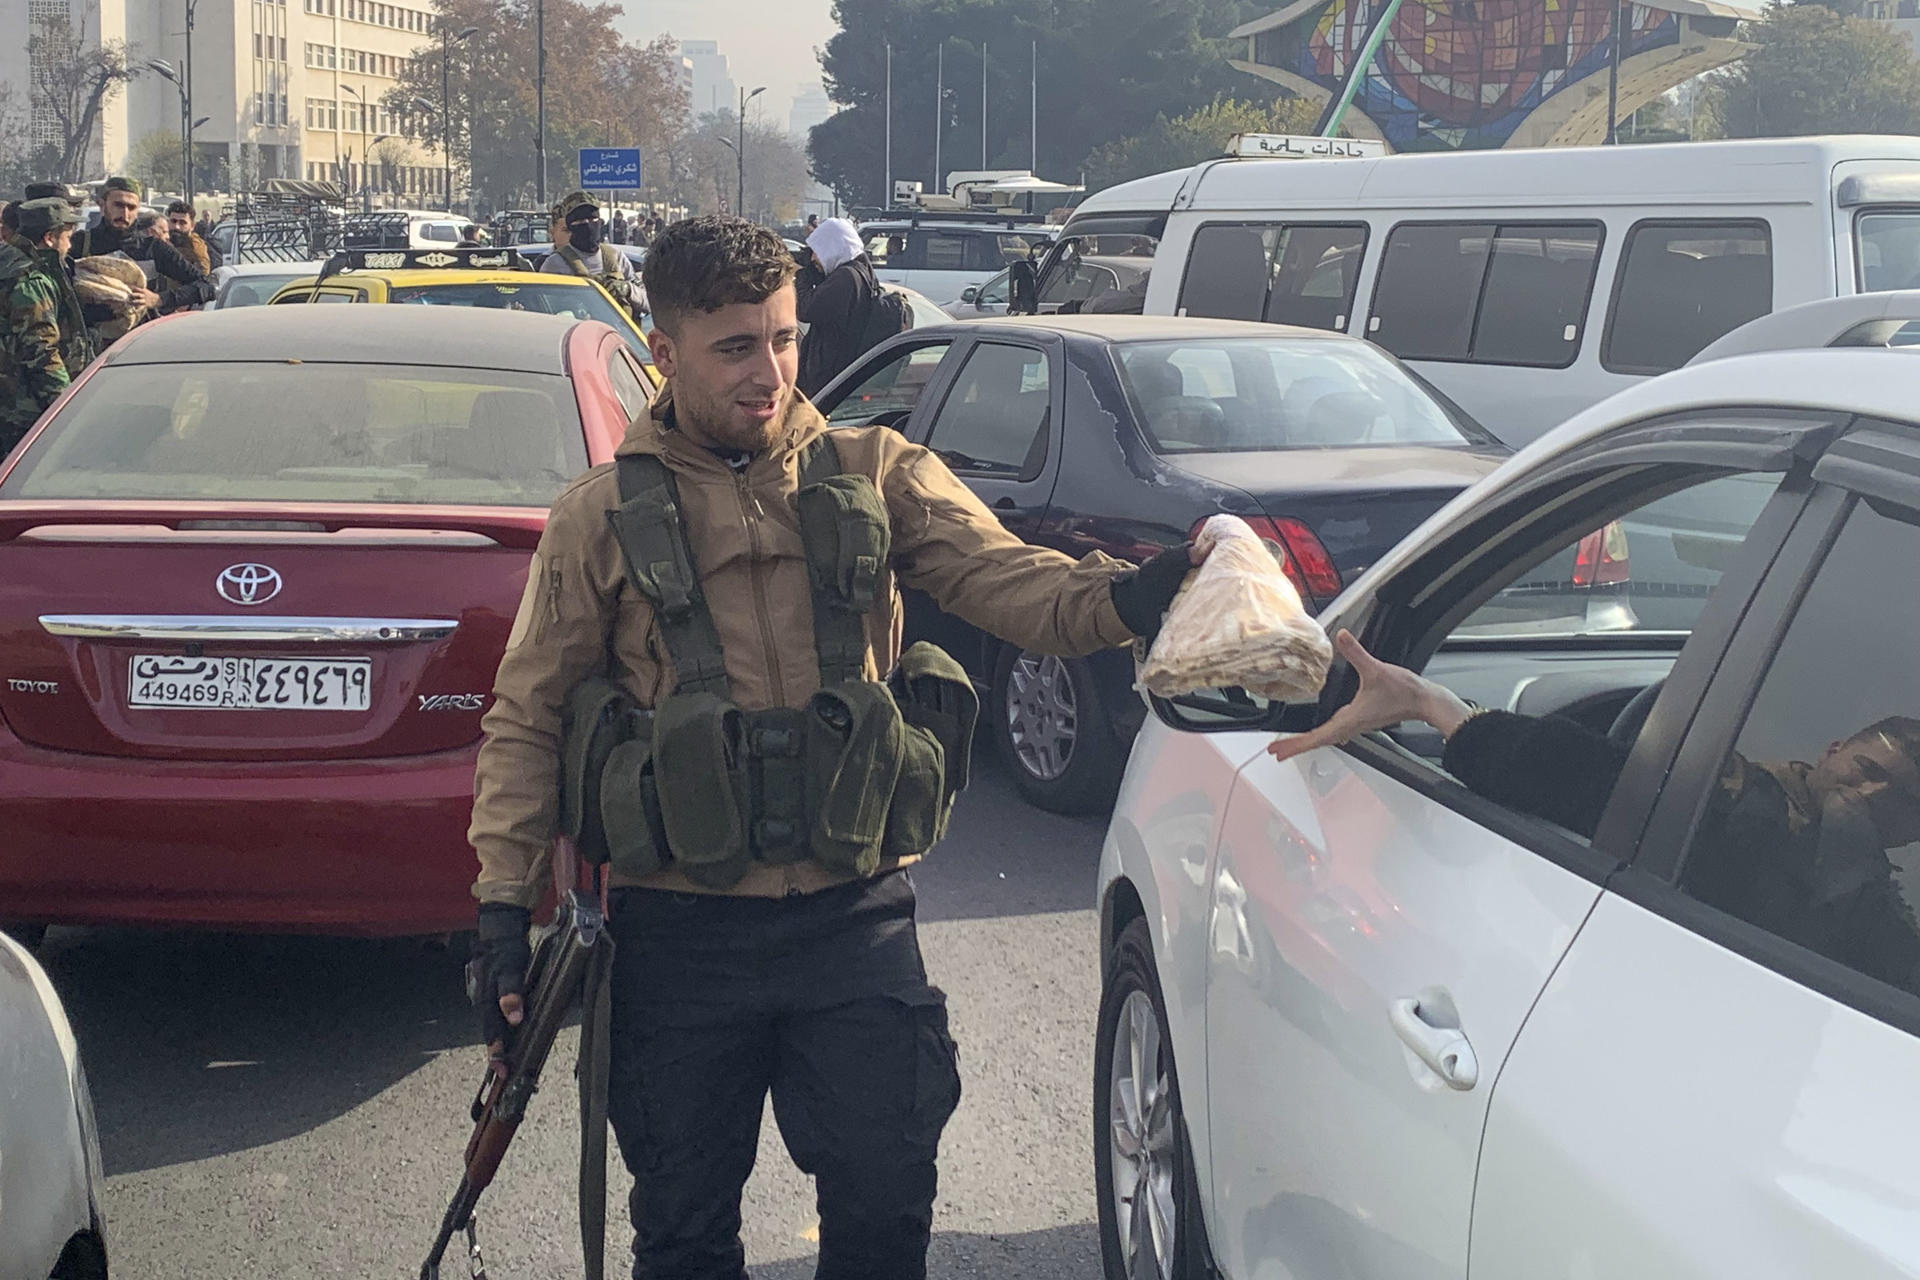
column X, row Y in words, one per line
column 862, row 772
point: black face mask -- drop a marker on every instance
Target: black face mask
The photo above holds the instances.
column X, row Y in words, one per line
column 584, row 236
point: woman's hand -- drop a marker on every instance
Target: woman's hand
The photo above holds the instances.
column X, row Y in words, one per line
column 1388, row 695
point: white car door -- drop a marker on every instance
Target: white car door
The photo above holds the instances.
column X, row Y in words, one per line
column 1380, row 933
column 1720, row 1079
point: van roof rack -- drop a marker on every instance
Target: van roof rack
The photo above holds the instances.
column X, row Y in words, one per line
column 918, row 217
column 1852, row 320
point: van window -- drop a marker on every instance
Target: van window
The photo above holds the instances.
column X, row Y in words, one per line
column 1510, row 293
column 1299, row 274
column 1681, row 285
column 938, row 250
column 1886, row 244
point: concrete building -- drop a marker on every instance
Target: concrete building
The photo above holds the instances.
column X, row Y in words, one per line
column 289, row 88
column 713, row 84
column 1455, row 74
column 1902, row 15
column 811, row 106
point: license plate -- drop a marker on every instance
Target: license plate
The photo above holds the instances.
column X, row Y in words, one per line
column 250, row 684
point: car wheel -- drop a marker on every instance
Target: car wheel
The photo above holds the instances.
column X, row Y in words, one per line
column 1055, row 732
column 1150, row 1222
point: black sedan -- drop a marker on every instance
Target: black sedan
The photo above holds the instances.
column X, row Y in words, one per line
column 1122, row 433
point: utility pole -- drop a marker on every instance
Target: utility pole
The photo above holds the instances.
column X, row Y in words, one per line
column 1033, row 117
column 983, row 104
column 740, row 151
column 1613, row 78
column 446, row 102
column 939, row 111
column 886, row 178
column 540, row 99
column 186, row 122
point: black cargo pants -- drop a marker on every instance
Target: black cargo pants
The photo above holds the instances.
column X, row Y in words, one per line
column 823, row 1001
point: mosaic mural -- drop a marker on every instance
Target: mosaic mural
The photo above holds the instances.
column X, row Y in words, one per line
column 1465, row 73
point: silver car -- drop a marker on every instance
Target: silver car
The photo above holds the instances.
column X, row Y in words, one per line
column 50, row 1175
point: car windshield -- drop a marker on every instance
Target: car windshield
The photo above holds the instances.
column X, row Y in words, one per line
column 1887, row 246
column 253, row 290
column 292, row 432
column 1225, row 395
column 579, row 301
column 1103, row 274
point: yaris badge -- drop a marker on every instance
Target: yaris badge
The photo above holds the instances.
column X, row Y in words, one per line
column 248, row 583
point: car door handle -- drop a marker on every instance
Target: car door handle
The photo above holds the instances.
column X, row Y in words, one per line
column 1445, row 1050
column 1003, row 504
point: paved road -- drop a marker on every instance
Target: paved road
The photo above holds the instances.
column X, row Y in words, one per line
column 291, row 1106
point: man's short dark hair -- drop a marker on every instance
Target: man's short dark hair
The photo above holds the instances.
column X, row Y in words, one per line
column 704, row 264
column 179, row 206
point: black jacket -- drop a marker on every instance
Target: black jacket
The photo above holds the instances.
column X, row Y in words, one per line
column 837, row 309
column 167, row 260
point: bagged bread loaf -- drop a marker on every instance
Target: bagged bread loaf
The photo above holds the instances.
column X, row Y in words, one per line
column 1238, row 621
column 109, row 279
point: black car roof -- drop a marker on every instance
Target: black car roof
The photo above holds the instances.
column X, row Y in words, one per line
column 357, row 333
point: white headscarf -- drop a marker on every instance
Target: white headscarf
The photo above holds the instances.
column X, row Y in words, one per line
column 835, row 243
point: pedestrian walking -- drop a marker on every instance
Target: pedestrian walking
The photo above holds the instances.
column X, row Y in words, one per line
column 32, row 370
column 842, row 305
column 738, row 569
column 617, row 230
column 585, row 252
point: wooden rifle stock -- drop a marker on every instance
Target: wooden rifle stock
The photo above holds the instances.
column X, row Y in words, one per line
column 562, row 957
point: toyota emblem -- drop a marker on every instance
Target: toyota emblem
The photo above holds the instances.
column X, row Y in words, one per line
column 248, row 583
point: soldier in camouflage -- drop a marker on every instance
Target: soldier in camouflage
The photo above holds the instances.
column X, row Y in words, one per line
column 32, row 373
column 76, row 342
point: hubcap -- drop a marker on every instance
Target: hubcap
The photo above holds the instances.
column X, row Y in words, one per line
column 1040, row 715
column 1140, row 1124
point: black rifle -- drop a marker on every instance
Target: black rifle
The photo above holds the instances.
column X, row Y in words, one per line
column 571, row 960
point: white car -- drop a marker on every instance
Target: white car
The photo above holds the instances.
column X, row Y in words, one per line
column 50, row 1175
column 942, row 254
column 1633, row 992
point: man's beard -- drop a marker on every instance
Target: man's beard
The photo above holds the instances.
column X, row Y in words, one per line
column 181, row 239
column 714, row 420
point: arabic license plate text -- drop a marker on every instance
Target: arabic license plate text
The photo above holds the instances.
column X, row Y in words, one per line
column 250, row 684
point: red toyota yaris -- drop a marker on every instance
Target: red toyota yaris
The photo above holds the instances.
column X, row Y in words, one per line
column 257, row 569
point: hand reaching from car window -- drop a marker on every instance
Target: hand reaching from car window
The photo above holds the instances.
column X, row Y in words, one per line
column 1388, row 695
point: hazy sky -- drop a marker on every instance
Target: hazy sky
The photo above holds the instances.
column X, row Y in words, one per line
column 767, row 42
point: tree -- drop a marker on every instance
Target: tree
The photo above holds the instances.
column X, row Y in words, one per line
column 1107, row 68
column 154, row 158
column 601, row 90
column 1816, row 71
column 75, row 81
column 1188, row 139
column 707, row 181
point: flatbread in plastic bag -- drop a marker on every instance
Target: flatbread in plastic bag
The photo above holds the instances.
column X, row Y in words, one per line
column 1238, row 621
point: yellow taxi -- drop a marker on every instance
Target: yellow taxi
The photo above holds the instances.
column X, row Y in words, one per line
column 492, row 278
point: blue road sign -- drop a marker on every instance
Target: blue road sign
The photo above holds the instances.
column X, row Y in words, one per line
column 610, row 168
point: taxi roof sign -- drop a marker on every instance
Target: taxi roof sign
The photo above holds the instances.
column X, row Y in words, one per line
column 1295, row 146
column 499, row 259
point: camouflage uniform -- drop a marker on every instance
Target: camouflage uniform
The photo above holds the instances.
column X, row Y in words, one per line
column 32, row 371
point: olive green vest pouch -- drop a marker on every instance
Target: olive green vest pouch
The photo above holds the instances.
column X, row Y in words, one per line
column 777, row 783
column 636, row 832
column 597, row 715
column 697, row 755
column 935, row 694
column 843, row 525
column 855, row 749
column 917, row 817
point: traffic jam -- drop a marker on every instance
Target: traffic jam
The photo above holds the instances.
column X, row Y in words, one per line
column 1537, row 868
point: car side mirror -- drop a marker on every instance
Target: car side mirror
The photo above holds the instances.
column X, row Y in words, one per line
column 1231, row 710
column 969, row 295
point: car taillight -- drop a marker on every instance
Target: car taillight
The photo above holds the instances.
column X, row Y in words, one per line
column 1601, row 558
column 1306, row 562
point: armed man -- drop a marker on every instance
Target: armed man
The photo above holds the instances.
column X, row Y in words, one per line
column 114, row 233
column 32, row 372
column 587, row 252
column 705, row 685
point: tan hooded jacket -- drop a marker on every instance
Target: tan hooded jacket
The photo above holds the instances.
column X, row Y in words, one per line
column 579, row 612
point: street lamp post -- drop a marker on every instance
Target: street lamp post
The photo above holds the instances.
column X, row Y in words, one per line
column 186, row 91
column 366, row 154
column 446, row 100
column 540, row 99
column 165, row 70
column 740, row 152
